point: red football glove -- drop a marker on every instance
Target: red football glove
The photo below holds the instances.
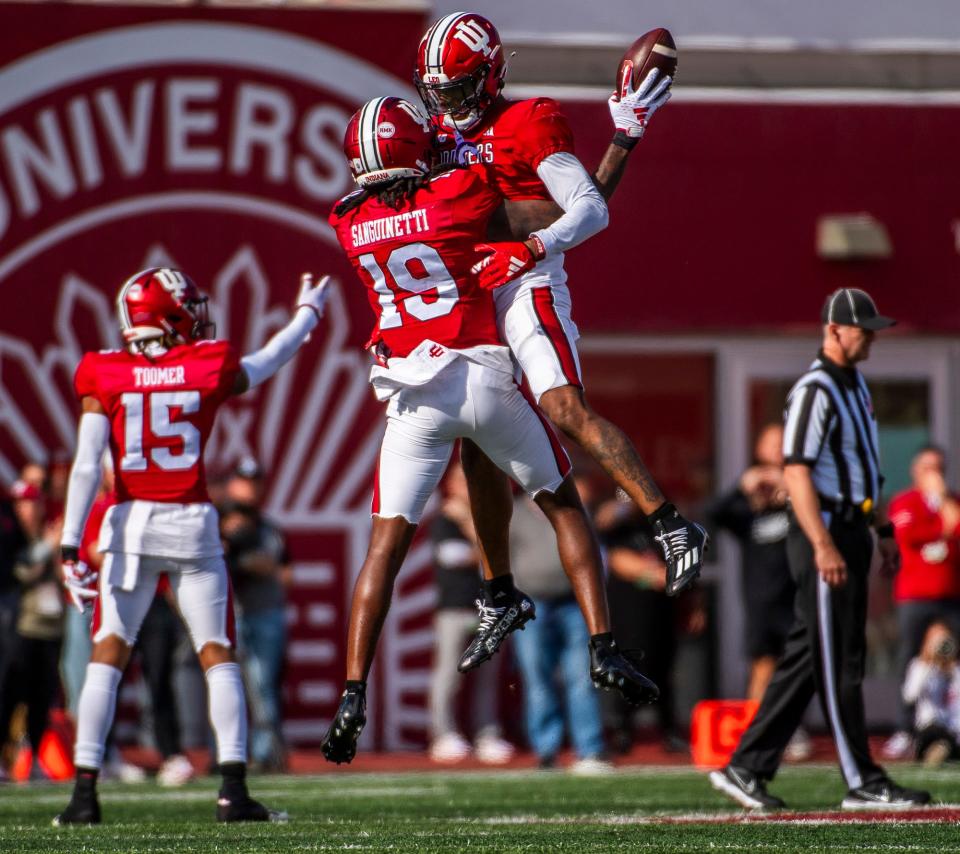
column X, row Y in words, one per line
column 504, row 262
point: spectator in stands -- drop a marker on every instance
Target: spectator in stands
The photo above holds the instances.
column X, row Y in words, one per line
column 932, row 687
column 56, row 484
column 35, row 474
column 926, row 519
column 160, row 635
column 642, row 616
column 256, row 555
column 755, row 512
column 457, row 577
column 12, row 542
column 30, row 672
column 553, row 649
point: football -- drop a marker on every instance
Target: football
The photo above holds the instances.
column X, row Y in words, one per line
column 655, row 49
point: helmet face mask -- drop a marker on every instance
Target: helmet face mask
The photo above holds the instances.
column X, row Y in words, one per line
column 162, row 306
column 203, row 329
column 458, row 103
column 460, row 69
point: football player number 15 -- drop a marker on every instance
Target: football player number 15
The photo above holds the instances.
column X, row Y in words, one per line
column 438, row 277
column 156, row 407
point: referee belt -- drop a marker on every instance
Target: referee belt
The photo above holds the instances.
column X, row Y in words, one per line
column 846, row 511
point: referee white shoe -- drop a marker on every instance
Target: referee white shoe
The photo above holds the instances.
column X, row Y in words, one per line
column 884, row 795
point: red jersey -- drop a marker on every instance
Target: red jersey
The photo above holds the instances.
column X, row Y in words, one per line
column 415, row 262
column 161, row 412
column 929, row 556
column 511, row 141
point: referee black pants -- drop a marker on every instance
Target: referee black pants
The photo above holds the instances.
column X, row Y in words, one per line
column 824, row 653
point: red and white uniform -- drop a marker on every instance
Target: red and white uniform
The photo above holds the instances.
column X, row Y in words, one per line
column 161, row 412
column 445, row 373
column 415, row 263
column 930, row 555
column 525, row 151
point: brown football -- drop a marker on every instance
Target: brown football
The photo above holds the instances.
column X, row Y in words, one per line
column 655, row 49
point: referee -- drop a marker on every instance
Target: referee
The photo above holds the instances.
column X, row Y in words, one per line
column 833, row 479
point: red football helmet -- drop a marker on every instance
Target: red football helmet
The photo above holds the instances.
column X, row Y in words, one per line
column 161, row 302
column 387, row 138
column 460, row 69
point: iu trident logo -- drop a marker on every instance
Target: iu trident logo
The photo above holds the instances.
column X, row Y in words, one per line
column 473, row 36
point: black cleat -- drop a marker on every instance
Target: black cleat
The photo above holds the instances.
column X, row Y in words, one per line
column 683, row 545
column 82, row 809
column 884, row 795
column 340, row 743
column 746, row 788
column 246, row 809
column 613, row 670
column 495, row 624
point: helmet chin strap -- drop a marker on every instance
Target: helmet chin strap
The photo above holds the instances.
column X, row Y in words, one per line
column 464, row 149
column 152, row 348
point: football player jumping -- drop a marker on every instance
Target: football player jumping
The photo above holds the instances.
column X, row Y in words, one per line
column 153, row 404
column 525, row 151
column 411, row 235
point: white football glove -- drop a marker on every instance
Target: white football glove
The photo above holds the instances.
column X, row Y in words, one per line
column 313, row 297
column 79, row 579
column 631, row 109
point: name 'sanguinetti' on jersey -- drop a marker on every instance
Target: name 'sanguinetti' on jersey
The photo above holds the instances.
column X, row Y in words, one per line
column 389, row 227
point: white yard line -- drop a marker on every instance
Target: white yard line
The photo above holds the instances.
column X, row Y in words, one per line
column 932, row 815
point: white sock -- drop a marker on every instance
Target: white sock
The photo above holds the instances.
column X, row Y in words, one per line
column 98, row 701
column 228, row 712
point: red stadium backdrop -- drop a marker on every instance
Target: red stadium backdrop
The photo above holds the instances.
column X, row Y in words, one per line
column 210, row 139
column 132, row 137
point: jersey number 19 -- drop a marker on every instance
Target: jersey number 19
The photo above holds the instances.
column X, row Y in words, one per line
column 438, row 276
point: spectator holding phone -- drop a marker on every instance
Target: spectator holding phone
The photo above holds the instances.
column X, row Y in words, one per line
column 926, row 521
column 932, row 688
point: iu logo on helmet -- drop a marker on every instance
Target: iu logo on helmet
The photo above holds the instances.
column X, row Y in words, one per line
column 173, row 282
column 473, row 36
column 414, row 114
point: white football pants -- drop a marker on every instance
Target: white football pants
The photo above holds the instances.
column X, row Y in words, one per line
column 465, row 401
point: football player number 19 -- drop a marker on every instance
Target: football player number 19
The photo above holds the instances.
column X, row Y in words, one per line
column 156, row 406
column 438, row 277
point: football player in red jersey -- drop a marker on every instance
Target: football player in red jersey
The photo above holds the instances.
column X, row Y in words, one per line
column 525, row 151
column 153, row 405
column 411, row 234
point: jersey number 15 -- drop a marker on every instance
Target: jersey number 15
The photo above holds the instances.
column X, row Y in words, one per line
column 157, row 406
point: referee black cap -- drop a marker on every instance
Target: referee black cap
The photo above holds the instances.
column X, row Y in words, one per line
column 853, row 307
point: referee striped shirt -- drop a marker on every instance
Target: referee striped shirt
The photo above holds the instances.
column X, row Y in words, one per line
column 829, row 426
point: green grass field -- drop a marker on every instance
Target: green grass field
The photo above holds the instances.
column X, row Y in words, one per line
column 633, row 810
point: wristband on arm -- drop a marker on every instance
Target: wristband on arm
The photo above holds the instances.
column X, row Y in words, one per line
column 621, row 140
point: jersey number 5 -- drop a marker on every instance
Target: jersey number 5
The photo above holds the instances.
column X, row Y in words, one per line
column 158, row 404
column 438, row 276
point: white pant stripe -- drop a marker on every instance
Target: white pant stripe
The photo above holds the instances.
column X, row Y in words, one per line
column 851, row 772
